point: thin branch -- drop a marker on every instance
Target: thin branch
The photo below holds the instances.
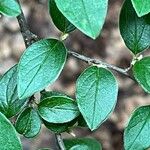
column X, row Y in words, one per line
column 100, row 63
column 28, row 36
column 60, row 142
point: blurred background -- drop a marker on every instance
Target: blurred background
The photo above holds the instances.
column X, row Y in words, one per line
column 109, row 47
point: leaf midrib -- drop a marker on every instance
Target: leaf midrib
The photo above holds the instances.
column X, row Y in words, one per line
column 95, row 97
column 140, row 131
column 39, row 69
column 87, row 17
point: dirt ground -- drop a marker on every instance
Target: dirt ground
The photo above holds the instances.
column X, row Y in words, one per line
column 109, row 47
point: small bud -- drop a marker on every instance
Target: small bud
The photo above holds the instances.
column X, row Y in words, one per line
column 71, row 133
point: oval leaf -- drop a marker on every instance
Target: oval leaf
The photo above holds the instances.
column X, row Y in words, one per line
column 134, row 30
column 40, row 65
column 56, row 127
column 88, row 16
column 58, row 109
column 141, row 71
column 9, row 8
column 96, row 93
column 137, row 133
column 28, row 123
column 8, row 136
column 58, row 18
column 141, row 7
column 47, row 94
column 10, row 104
column 82, row 144
column 59, row 127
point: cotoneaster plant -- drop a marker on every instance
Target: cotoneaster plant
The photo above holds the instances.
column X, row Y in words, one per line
column 96, row 87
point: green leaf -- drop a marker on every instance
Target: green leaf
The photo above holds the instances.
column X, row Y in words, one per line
column 137, row 133
column 141, row 7
column 58, row 18
column 8, row 136
column 58, row 109
column 28, row 123
column 9, row 8
column 10, row 104
column 88, row 16
column 59, row 127
column 47, row 94
column 96, row 94
column 56, row 127
column 134, row 30
column 141, row 71
column 40, row 65
column 82, row 144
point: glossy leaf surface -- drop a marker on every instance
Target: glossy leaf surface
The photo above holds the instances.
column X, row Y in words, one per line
column 47, row 94
column 136, row 135
column 59, row 127
column 142, row 7
column 58, row 18
column 82, row 144
column 9, row 8
column 141, row 71
column 96, row 94
column 40, row 65
column 8, row 136
column 28, row 123
column 134, row 30
column 88, row 16
column 10, row 104
column 58, row 109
